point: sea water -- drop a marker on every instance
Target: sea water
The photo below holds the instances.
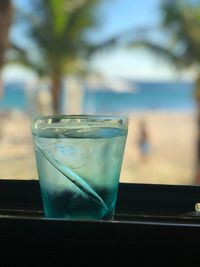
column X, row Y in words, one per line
column 79, row 171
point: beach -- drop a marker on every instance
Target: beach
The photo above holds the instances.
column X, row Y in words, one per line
column 172, row 137
column 17, row 159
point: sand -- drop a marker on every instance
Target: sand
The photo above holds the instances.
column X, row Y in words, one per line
column 172, row 138
column 16, row 154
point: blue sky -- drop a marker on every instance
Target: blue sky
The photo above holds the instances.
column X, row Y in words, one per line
column 116, row 16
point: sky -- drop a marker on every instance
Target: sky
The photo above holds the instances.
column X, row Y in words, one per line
column 116, row 16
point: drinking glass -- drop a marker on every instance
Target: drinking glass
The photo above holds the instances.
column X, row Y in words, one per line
column 79, row 160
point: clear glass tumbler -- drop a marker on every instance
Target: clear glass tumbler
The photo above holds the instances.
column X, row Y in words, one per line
column 79, row 160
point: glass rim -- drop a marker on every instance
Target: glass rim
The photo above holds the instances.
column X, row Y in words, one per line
column 81, row 116
column 74, row 122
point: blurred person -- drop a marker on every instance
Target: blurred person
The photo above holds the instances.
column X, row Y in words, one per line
column 143, row 141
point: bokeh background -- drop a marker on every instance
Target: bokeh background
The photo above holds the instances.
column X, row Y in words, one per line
column 123, row 57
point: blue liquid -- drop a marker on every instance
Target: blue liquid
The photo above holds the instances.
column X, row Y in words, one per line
column 79, row 171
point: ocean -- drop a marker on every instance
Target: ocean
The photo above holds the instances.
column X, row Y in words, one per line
column 169, row 96
column 161, row 96
column 14, row 97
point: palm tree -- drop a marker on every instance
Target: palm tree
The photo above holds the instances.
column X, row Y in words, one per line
column 5, row 22
column 58, row 30
column 181, row 22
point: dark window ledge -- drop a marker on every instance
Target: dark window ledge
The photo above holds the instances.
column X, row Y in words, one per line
column 149, row 219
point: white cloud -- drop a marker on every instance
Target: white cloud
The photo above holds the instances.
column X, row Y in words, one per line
column 138, row 64
column 18, row 73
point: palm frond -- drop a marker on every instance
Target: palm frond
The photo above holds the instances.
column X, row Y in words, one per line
column 21, row 57
column 120, row 39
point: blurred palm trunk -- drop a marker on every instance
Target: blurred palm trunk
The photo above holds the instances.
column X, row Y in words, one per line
column 56, row 90
column 5, row 22
column 73, row 94
column 197, row 97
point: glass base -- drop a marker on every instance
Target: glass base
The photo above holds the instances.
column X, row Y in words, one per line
column 109, row 216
